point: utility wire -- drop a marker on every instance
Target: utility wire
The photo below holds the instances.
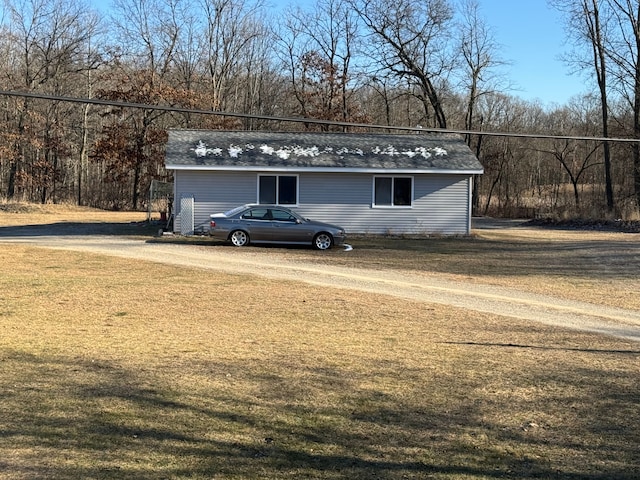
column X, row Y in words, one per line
column 315, row 121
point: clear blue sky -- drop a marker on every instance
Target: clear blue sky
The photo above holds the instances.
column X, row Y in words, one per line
column 532, row 38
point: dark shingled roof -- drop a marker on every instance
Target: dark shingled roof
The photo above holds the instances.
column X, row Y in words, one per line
column 215, row 149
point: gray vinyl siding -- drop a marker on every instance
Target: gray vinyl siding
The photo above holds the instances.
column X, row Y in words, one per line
column 212, row 192
column 441, row 202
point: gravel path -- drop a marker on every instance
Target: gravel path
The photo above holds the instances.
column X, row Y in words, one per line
column 424, row 288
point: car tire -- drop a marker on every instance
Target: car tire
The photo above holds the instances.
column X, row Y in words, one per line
column 239, row 238
column 322, row 241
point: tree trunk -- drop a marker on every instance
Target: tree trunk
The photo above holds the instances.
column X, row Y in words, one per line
column 600, row 64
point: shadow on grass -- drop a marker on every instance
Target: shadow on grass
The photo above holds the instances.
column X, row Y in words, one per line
column 540, row 347
column 80, row 229
column 153, row 231
column 75, row 418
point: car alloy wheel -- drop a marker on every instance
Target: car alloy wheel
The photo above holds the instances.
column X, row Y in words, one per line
column 239, row 238
column 323, row 241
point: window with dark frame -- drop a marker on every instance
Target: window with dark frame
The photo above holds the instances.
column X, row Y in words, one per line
column 393, row 191
column 278, row 189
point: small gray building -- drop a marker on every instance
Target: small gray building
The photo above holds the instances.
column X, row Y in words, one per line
column 368, row 183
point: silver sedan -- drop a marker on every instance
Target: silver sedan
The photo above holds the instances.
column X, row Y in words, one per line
column 273, row 224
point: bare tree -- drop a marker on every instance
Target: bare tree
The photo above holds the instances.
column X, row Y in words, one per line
column 190, row 46
column 480, row 53
column 50, row 38
column 333, row 30
column 501, row 181
column 588, row 26
column 573, row 161
column 260, row 85
column 94, row 58
column 411, row 39
column 624, row 51
column 318, row 46
column 231, row 27
column 130, row 142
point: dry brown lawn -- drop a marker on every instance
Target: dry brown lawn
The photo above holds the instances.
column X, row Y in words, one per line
column 115, row 368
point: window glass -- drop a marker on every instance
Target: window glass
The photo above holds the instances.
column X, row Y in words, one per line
column 393, row 191
column 278, row 189
column 402, row 191
column 282, row 216
column 287, row 190
column 383, row 190
column 233, row 211
column 267, row 189
column 257, row 214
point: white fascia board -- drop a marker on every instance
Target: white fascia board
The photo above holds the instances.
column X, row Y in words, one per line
column 403, row 171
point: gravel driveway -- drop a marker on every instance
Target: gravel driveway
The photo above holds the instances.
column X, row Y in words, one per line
column 431, row 288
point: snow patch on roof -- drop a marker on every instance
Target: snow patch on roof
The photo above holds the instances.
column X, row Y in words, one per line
column 235, row 151
column 201, row 150
column 285, row 152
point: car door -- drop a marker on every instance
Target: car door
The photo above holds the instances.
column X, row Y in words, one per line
column 286, row 228
column 257, row 222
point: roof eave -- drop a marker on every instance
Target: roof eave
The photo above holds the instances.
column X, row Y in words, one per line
column 278, row 169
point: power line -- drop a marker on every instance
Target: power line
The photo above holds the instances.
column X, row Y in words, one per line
column 315, row 121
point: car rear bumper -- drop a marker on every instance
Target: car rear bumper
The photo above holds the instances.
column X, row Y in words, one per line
column 219, row 234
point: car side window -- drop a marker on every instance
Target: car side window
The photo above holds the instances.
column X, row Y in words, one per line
column 256, row 214
column 282, row 216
